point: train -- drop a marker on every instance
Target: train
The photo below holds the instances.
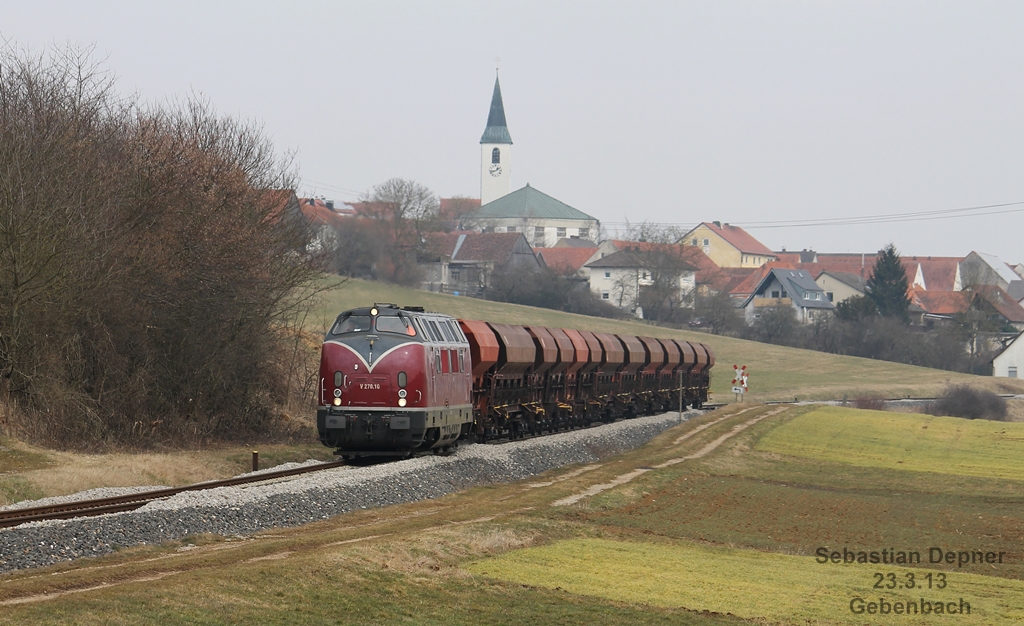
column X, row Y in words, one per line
column 399, row 381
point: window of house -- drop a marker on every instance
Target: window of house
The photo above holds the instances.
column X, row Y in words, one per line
column 645, row 276
column 707, row 242
column 560, row 233
column 784, row 294
column 607, row 274
column 775, row 294
column 584, row 233
column 1012, row 371
column 604, row 295
column 538, row 236
column 830, row 295
column 510, row 229
column 455, row 274
column 693, row 241
column 496, row 156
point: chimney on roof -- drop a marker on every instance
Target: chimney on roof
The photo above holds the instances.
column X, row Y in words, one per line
column 330, row 204
column 311, row 202
column 718, row 224
column 725, row 223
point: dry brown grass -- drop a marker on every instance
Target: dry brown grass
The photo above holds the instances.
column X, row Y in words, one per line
column 433, row 550
column 70, row 472
column 1015, row 410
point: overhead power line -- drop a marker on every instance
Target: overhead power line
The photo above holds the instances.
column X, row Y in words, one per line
column 331, row 187
column 916, row 216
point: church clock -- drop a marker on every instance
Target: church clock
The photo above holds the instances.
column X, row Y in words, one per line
column 495, row 169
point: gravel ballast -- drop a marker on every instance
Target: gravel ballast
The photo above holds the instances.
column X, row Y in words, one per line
column 242, row 510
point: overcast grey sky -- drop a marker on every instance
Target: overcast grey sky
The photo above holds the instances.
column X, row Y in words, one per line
column 679, row 112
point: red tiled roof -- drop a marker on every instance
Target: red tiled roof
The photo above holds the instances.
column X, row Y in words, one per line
column 739, row 239
column 729, row 278
column 565, row 260
column 1002, row 302
column 496, row 247
column 707, row 271
column 939, row 272
column 753, row 279
column 941, row 302
column 455, row 208
column 317, row 212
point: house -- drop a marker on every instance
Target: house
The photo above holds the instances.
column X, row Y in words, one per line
column 574, row 241
column 567, row 261
column 979, row 268
column 541, row 218
column 1004, row 309
column 728, row 246
column 1016, row 291
column 841, row 286
column 937, row 307
column 998, row 308
column 934, row 273
column 788, row 287
column 620, row 277
column 1009, row 362
column 464, row 262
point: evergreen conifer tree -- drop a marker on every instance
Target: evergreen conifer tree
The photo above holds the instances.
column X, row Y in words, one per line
column 887, row 286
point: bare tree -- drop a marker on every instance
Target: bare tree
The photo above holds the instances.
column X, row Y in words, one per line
column 150, row 283
column 405, row 211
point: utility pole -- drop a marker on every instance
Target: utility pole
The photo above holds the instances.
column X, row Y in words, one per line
column 680, row 395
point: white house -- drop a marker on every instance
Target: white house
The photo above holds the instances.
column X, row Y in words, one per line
column 542, row 219
column 1010, row 362
column 618, row 278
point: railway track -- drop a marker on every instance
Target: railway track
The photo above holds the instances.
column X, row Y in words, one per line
column 130, row 502
column 102, row 506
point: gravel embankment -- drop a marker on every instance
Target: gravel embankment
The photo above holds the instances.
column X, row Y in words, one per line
column 309, row 497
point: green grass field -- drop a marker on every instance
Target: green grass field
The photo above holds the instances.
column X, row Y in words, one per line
column 747, row 583
column 900, row 441
column 776, row 372
column 726, row 538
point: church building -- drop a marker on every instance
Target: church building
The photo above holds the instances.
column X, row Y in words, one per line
column 541, row 218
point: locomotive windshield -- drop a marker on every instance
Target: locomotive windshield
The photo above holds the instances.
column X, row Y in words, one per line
column 400, row 325
column 352, row 324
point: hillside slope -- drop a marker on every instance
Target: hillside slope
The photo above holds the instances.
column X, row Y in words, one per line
column 776, row 372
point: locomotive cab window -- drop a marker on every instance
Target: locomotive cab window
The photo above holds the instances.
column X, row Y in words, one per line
column 397, row 324
column 352, row 324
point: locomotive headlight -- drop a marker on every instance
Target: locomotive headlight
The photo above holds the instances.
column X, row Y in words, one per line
column 403, row 379
column 337, row 393
column 337, row 402
column 402, row 393
column 401, row 402
column 374, row 311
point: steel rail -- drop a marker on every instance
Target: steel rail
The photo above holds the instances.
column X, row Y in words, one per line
column 101, row 506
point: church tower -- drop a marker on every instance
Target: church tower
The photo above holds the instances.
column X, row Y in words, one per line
column 495, row 152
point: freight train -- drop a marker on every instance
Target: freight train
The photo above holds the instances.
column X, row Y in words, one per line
column 399, row 381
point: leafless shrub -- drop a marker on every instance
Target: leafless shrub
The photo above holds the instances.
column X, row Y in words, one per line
column 965, row 401
column 150, row 281
column 869, row 402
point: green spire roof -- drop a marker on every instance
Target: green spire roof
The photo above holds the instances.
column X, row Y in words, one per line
column 530, row 203
column 497, row 130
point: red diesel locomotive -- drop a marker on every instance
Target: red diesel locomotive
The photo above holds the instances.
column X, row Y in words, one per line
column 395, row 381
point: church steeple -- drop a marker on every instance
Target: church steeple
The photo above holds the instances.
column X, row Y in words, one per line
column 497, row 130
